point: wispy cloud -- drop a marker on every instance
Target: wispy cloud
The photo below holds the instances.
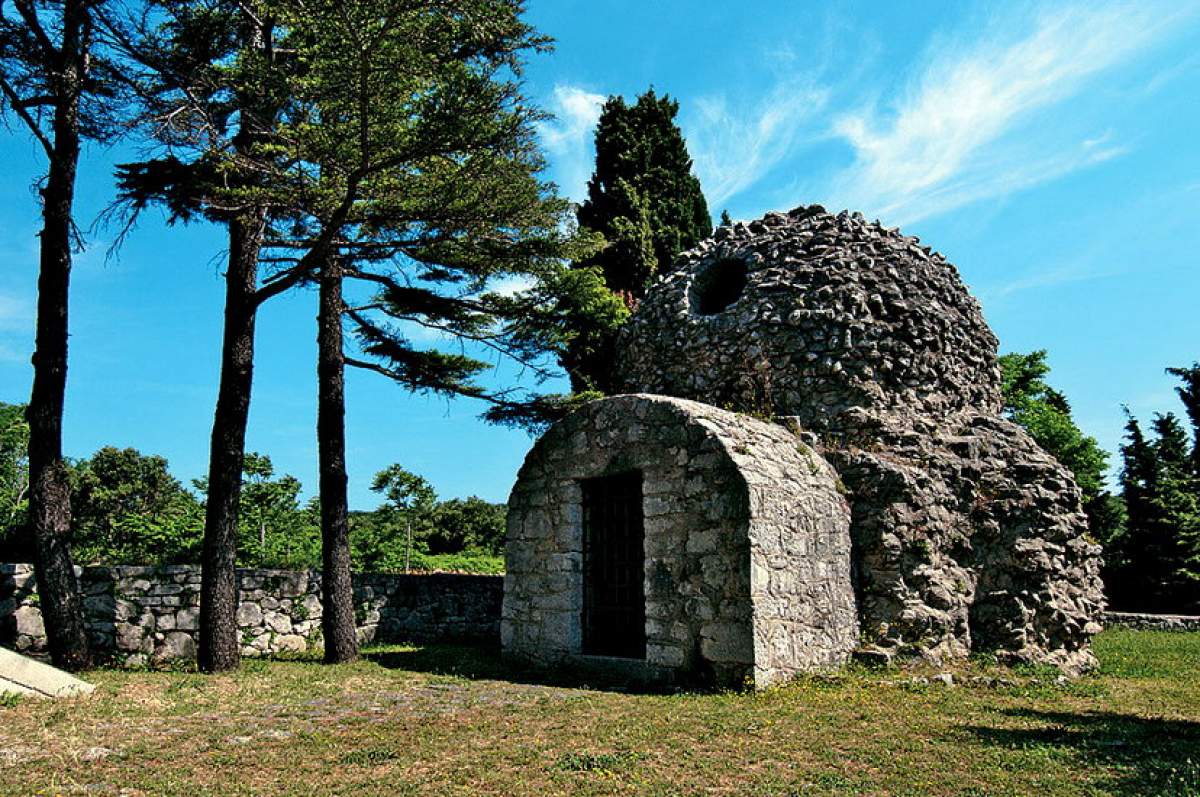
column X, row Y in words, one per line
column 568, row 137
column 734, row 146
column 1079, row 272
column 1184, row 68
column 949, row 140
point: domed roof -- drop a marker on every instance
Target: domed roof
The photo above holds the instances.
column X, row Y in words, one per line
column 812, row 314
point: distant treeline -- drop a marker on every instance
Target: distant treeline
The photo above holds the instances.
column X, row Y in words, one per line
column 129, row 509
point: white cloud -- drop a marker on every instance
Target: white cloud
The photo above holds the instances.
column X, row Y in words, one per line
column 732, row 149
column 568, row 137
column 947, row 141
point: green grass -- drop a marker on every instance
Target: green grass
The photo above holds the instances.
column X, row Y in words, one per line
column 455, row 721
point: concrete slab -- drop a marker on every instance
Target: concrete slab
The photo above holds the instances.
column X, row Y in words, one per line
column 26, row 676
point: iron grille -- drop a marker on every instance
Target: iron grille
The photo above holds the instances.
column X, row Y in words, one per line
column 614, row 600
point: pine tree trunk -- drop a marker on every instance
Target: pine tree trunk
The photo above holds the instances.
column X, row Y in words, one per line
column 337, row 621
column 50, row 493
column 220, row 648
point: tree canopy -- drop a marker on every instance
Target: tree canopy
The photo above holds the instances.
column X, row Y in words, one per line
column 642, row 197
column 646, row 203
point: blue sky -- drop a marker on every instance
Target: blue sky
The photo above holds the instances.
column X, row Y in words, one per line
column 1051, row 151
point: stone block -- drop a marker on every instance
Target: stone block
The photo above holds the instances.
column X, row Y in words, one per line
column 727, row 642
column 188, row 619
column 175, row 645
column 278, row 622
column 28, row 620
column 290, row 643
column 249, row 615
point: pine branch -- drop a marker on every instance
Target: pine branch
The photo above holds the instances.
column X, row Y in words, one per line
column 14, row 102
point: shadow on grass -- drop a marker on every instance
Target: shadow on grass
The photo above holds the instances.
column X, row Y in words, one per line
column 484, row 663
column 1144, row 756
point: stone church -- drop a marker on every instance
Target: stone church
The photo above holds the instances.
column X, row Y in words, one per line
column 810, row 462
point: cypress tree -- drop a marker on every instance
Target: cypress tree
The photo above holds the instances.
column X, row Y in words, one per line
column 645, row 201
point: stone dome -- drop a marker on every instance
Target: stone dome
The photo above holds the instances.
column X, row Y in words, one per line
column 811, row 314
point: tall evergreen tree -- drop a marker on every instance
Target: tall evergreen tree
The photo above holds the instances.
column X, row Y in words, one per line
column 1157, row 566
column 1141, row 553
column 1177, row 510
column 1189, row 394
column 413, row 168
column 645, row 201
column 214, row 82
column 643, row 196
column 59, row 82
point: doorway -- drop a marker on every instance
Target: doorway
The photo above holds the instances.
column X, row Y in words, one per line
column 614, row 600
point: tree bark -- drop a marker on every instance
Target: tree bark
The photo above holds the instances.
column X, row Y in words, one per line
column 50, row 493
column 337, row 620
column 220, row 648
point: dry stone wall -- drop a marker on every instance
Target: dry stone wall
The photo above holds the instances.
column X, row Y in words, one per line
column 1152, row 622
column 146, row 615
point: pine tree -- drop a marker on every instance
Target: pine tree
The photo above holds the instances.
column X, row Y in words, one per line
column 416, row 172
column 1159, row 564
column 1189, row 394
column 58, row 79
column 1140, row 570
column 215, row 79
column 1176, row 505
column 645, row 201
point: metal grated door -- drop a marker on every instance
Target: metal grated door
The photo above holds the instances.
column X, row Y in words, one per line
column 614, row 601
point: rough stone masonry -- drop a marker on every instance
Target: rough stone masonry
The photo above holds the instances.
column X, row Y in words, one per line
column 966, row 535
column 746, row 544
column 146, row 615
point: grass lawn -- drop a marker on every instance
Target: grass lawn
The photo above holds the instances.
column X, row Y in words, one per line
column 442, row 720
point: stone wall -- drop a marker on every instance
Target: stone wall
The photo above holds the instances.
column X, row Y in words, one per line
column 747, row 546
column 1153, row 622
column 143, row 615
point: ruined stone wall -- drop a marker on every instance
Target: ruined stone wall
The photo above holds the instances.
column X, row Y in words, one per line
column 967, row 536
column 143, row 615
column 747, row 569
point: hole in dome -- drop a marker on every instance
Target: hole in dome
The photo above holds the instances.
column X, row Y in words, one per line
column 718, row 286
